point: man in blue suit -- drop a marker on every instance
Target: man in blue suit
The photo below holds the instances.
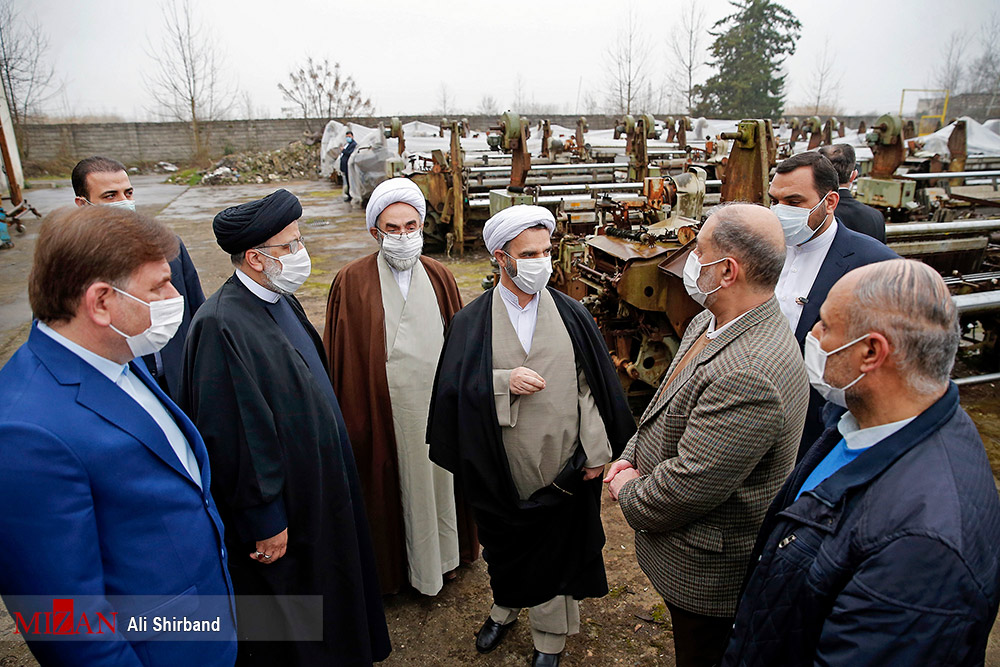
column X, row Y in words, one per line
column 819, row 251
column 101, row 181
column 104, row 482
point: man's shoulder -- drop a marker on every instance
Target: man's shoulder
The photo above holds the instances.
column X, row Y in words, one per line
column 941, row 487
column 863, row 248
column 436, row 267
column 359, row 268
column 23, row 379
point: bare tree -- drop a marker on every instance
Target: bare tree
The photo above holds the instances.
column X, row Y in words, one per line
column 687, row 48
column 187, row 84
column 28, row 80
column 320, row 92
column 445, row 100
column 985, row 69
column 825, row 89
column 628, row 64
column 488, row 105
column 521, row 100
column 951, row 73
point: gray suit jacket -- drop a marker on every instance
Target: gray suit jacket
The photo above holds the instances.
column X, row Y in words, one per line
column 713, row 450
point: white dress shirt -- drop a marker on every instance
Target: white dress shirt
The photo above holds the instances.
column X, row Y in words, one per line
column 522, row 319
column 856, row 437
column 258, row 290
column 712, row 332
column 802, row 264
column 123, row 377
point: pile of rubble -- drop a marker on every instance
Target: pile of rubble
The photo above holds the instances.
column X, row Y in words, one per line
column 295, row 161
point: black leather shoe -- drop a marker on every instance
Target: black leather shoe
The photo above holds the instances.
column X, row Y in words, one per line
column 491, row 634
column 540, row 659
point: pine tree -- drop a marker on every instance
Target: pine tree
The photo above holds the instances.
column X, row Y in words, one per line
column 750, row 46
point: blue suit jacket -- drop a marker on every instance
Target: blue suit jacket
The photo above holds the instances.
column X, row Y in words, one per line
column 96, row 504
column 849, row 251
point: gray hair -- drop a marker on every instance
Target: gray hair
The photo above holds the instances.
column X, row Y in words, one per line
column 734, row 236
column 909, row 304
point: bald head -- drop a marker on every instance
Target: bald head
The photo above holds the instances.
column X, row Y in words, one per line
column 909, row 303
column 752, row 236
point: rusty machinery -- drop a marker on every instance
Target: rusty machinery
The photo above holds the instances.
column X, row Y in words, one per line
column 395, row 130
column 746, row 172
column 637, row 129
column 444, row 188
column 880, row 188
column 511, row 136
column 14, row 177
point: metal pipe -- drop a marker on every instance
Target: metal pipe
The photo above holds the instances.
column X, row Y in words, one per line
column 952, row 174
column 933, row 228
column 582, row 166
column 977, row 302
column 977, row 379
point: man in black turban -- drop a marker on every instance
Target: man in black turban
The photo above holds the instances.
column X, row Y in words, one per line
column 287, row 488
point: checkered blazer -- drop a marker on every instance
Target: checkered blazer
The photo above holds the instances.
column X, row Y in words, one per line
column 713, row 450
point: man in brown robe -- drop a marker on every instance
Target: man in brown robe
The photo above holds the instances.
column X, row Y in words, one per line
column 385, row 324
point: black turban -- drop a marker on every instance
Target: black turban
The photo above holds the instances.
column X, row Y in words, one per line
column 242, row 227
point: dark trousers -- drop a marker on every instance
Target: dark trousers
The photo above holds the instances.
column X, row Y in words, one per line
column 347, row 184
column 699, row 640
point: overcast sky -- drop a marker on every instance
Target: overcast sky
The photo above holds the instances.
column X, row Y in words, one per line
column 401, row 53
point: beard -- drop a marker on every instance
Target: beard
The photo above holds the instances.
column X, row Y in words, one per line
column 270, row 273
column 404, row 264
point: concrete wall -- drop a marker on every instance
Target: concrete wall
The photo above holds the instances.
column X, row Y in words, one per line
column 134, row 143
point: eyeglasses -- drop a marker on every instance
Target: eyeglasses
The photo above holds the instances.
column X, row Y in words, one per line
column 293, row 246
column 410, row 233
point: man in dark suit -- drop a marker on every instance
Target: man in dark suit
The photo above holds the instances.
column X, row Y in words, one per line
column 103, row 181
column 819, row 250
column 852, row 213
column 104, row 482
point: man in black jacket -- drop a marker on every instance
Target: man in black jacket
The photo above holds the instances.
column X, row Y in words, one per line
column 101, row 181
column 855, row 215
column 345, row 155
column 881, row 548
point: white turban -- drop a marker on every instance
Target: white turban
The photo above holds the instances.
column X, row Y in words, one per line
column 391, row 192
column 510, row 222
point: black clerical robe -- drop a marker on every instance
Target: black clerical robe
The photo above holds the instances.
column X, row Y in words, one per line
column 549, row 544
column 281, row 457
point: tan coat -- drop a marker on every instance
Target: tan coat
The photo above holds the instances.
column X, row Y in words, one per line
column 713, row 450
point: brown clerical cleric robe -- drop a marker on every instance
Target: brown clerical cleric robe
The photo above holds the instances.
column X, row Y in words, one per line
column 355, row 342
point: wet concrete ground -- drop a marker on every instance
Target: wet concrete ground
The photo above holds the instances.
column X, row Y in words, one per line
column 629, row 626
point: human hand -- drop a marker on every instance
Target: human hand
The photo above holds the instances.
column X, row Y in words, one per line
column 620, row 479
column 525, row 381
column 617, row 467
column 592, row 473
column 271, row 549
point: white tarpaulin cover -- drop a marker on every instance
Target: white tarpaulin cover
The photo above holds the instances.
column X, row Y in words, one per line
column 980, row 142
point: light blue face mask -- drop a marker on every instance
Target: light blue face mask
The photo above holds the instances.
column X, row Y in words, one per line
column 127, row 204
column 795, row 221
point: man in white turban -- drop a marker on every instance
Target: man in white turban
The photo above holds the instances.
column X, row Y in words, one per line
column 527, row 409
column 385, row 322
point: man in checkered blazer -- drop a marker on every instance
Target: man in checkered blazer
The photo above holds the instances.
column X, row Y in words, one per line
column 719, row 438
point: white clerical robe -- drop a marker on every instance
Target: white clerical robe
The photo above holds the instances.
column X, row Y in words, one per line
column 414, row 335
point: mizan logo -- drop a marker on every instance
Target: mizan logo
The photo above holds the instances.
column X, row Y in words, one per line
column 62, row 621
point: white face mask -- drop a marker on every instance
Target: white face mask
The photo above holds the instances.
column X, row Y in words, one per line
column 295, row 269
column 165, row 317
column 530, row 275
column 692, row 272
column 127, row 204
column 815, row 358
column 401, row 251
column 795, row 221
